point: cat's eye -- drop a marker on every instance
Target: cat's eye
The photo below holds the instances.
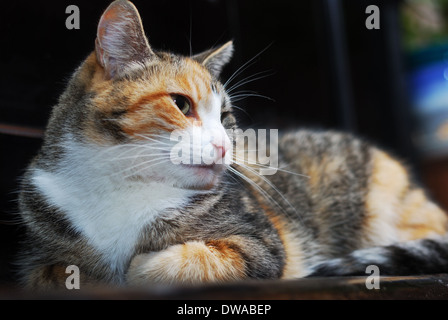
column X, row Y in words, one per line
column 183, row 103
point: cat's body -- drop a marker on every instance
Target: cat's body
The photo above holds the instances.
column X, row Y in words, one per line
column 101, row 194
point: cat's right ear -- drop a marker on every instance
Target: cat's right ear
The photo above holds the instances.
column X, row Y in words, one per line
column 215, row 59
column 120, row 39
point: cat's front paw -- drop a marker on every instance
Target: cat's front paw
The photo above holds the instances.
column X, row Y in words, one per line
column 191, row 262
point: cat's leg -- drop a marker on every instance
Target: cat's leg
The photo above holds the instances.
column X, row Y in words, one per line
column 230, row 259
column 54, row 276
column 45, row 277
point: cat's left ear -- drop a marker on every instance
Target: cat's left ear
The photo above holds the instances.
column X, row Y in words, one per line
column 215, row 59
column 121, row 40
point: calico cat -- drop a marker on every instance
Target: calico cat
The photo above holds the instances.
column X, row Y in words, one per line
column 103, row 195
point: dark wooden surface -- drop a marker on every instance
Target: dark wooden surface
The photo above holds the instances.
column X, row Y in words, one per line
column 352, row 288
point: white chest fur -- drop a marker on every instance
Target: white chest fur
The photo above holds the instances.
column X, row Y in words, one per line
column 109, row 214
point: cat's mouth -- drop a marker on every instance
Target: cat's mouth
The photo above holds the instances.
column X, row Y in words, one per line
column 204, row 169
column 204, row 176
column 201, row 166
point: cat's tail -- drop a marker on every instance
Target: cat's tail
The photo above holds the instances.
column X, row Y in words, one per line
column 423, row 256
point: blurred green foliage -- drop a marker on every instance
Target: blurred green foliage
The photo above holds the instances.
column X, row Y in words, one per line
column 424, row 23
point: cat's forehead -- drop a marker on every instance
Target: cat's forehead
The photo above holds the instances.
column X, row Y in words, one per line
column 143, row 99
column 189, row 77
column 173, row 74
column 170, row 75
column 169, row 67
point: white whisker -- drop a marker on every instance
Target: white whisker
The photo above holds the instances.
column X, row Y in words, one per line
column 239, row 71
column 246, row 65
column 139, row 156
column 139, row 164
column 147, row 167
column 237, row 161
column 270, row 184
column 238, row 97
column 241, row 109
column 256, row 186
column 135, row 152
column 249, row 79
column 158, row 136
column 154, row 140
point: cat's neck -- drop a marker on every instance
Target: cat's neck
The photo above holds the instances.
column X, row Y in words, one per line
column 109, row 212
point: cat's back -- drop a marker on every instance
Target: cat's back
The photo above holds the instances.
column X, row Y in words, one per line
column 313, row 152
column 325, row 163
column 352, row 193
column 338, row 190
column 325, row 178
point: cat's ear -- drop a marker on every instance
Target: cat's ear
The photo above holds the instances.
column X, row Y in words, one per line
column 120, row 39
column 215, row 59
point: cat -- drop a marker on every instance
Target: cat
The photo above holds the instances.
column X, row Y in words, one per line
column 103, row 195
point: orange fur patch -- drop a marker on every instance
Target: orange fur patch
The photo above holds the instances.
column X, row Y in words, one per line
column 321, row 171
column 420, row 218
column 191, row 262
column 149, row 108
column 394, row 211
column 294, row 264
column 152, row 113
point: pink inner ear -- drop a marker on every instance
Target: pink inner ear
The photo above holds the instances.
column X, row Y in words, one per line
column 111, row 15
column 120, row 38
column 99, row 53
column 102, row 25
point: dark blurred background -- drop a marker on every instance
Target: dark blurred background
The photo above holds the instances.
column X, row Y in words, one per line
column 315, row 60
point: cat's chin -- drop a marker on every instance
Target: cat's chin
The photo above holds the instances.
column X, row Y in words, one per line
column 200, row 177
column 192, row 177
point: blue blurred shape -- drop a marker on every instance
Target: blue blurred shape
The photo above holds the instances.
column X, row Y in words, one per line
column 429, row 95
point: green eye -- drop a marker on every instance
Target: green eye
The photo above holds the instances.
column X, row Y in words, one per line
column 182, row 103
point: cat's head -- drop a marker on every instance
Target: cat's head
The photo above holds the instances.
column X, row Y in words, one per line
column 141, row 98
